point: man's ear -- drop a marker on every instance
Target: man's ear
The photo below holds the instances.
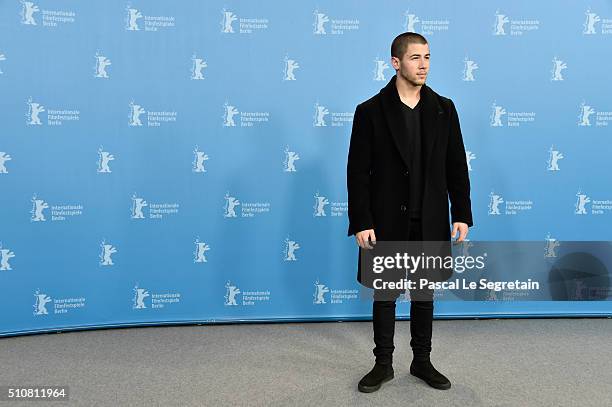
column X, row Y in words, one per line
column 395, row 63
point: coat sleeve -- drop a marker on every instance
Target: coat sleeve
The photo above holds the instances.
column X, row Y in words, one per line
column 457, row 179
column 358, row 174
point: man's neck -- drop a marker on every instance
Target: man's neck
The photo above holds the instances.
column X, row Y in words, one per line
column 408, row 93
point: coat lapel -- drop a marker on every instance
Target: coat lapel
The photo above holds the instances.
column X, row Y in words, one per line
column 395, row 119
column 431, row 115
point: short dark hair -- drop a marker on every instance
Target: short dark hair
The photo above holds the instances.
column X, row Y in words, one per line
column 400, row 43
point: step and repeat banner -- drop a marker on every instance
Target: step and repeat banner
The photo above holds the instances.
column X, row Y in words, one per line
column 185, row 161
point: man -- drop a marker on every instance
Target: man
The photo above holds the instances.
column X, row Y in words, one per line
column 406, row 161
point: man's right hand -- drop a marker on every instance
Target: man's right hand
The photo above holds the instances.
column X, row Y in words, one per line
column 364, row 237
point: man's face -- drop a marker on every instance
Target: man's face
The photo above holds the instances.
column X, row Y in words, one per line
column 414, row 65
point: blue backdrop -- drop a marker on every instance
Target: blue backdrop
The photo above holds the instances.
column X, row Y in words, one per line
column 186, row 161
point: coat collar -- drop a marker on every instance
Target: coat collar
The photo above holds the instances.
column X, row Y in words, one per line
column 430, row 112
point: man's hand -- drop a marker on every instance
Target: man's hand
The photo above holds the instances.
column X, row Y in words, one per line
column 463, row 230
column 363, row 236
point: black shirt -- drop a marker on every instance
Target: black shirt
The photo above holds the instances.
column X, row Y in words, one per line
column 412, row 117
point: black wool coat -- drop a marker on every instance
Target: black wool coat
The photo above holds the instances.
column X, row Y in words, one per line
column 378, row 164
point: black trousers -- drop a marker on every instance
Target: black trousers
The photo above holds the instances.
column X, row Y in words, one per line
column 421, row 318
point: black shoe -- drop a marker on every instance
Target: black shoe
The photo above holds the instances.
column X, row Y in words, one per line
column 375, row 378
column 424, row 370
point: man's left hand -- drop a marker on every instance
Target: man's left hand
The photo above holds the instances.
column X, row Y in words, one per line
column 463, row 230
